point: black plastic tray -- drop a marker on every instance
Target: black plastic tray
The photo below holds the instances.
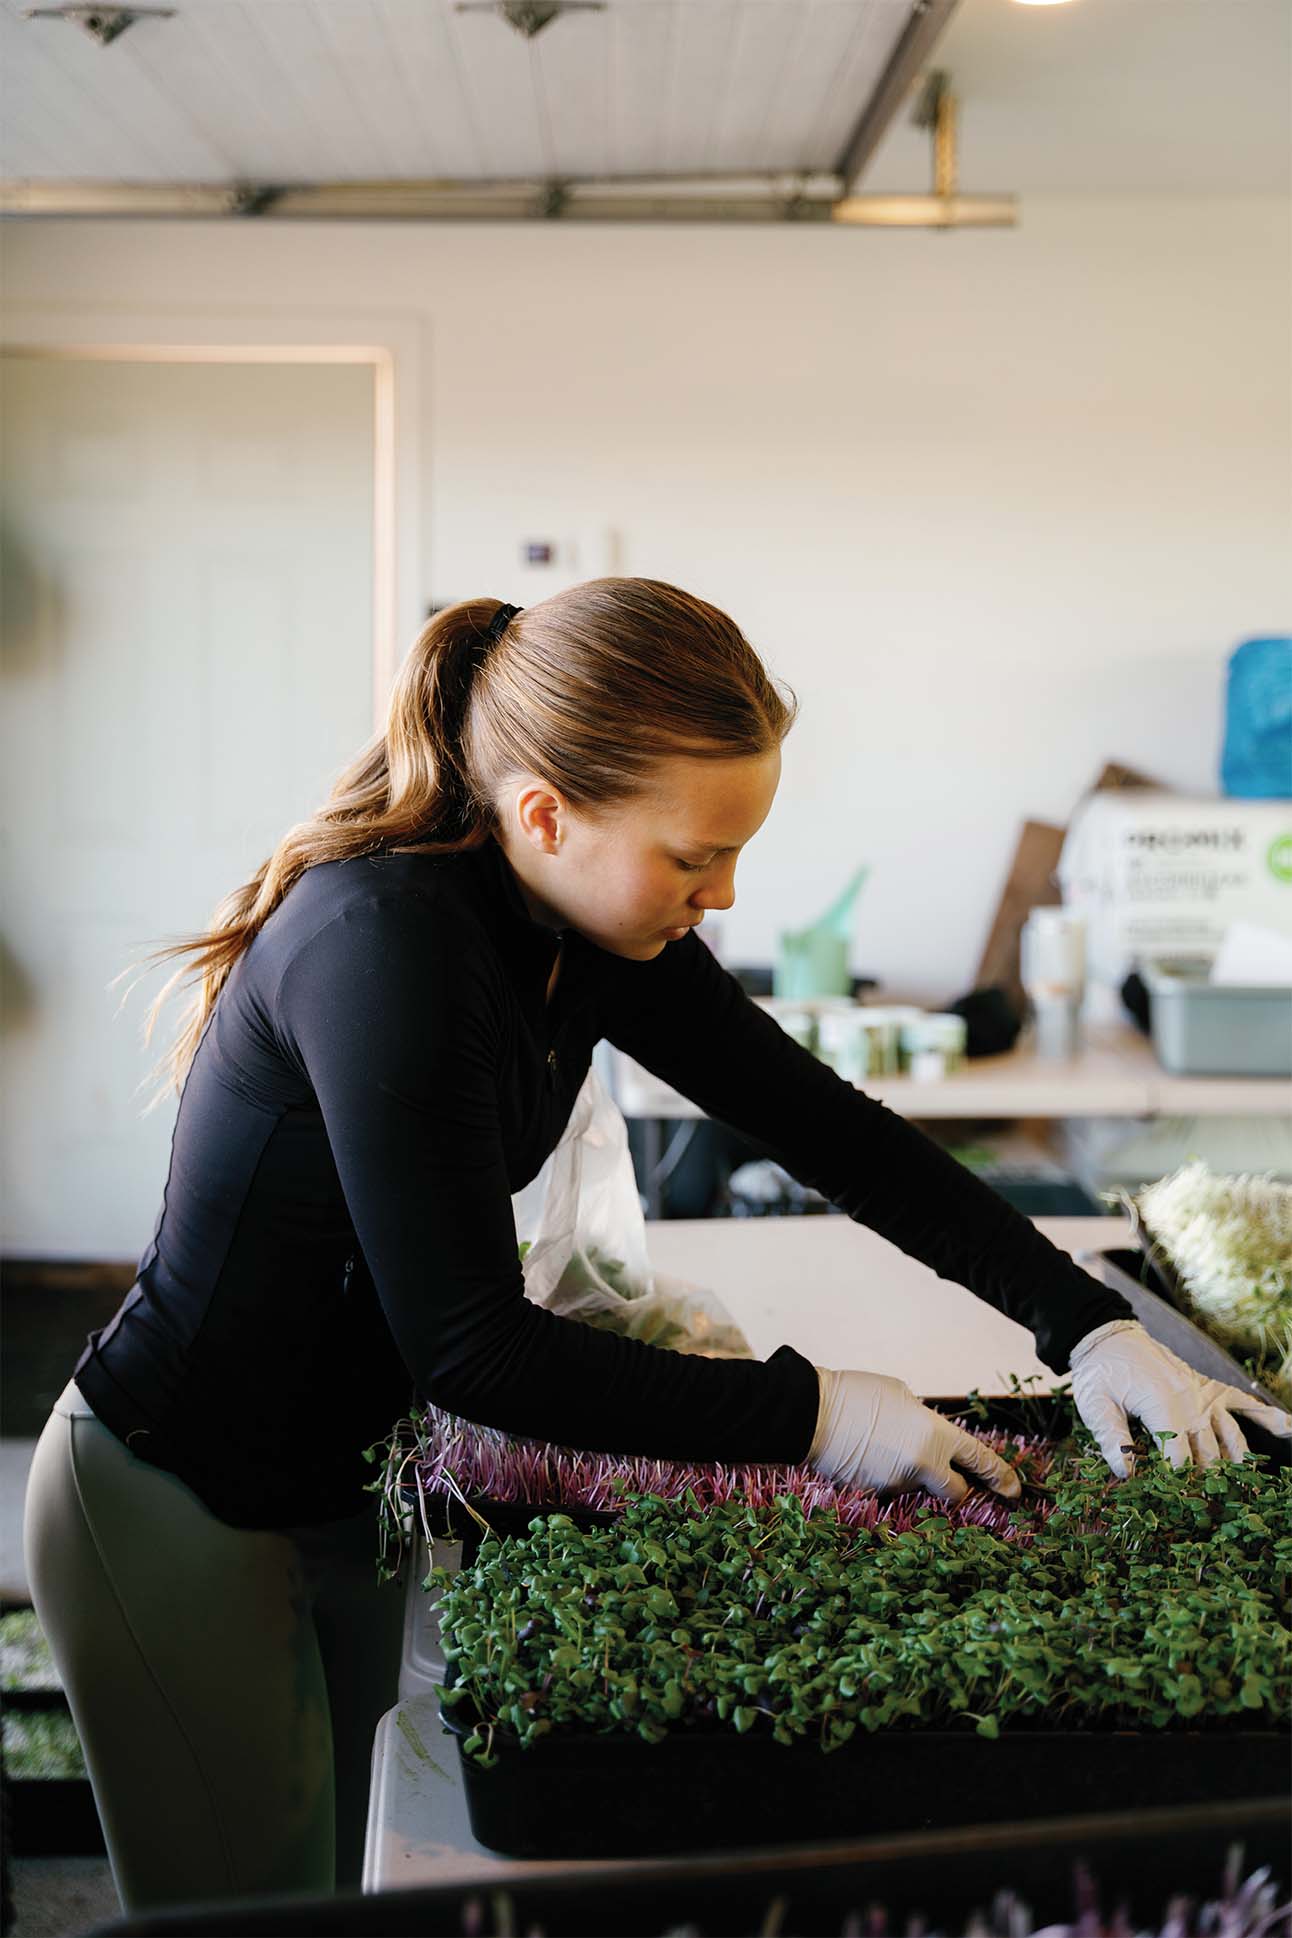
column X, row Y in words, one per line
column 610, row 1796
column 1139, row 1859
column 616, row 1796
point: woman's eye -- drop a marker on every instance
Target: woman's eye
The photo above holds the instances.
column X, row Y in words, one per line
column 691, row 867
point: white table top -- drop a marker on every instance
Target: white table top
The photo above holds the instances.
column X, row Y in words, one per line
column 845, row 1297
column 1116, row 1074
column 831, row 1288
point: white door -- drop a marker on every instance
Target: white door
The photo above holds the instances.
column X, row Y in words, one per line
column 187, row 661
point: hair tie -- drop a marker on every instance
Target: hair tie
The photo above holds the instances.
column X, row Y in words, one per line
column 478, row 649
column 499, row 623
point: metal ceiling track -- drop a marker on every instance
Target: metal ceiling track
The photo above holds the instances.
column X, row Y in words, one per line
column 713, row 198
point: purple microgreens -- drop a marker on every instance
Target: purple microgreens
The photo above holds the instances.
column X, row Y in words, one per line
column 467, row 1462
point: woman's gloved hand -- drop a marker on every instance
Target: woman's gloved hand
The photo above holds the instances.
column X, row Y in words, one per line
column 873, row 1432
column 1119, row 1370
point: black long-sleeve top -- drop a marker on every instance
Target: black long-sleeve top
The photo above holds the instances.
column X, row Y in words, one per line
column 380, row 1073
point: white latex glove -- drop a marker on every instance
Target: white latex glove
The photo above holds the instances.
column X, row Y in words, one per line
column 1119, row 1369
column 873, row 1432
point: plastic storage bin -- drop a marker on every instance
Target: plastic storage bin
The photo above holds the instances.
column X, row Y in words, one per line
column 1206, row 1029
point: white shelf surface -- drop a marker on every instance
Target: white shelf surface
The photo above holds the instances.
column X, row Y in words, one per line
column 418, row 1831
column 1116, row 1074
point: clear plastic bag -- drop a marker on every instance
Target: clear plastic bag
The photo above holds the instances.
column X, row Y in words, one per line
column 582, row 1238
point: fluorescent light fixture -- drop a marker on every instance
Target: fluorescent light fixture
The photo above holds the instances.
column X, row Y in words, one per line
column 927, row 211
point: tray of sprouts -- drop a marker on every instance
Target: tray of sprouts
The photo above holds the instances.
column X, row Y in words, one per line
column 740, row 1656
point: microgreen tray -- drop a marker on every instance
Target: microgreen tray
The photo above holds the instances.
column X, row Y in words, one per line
column 1121, row 1872
column 616, row 1796
column 569, row 1794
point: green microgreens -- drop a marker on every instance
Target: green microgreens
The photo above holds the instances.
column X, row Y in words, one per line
column 1145, row 1603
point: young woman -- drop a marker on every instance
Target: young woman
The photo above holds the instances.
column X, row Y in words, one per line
column 393, row 1021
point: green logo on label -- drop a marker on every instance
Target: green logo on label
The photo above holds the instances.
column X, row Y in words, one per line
column 1280, row 857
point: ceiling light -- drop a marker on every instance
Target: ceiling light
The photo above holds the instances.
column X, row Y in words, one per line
column 104, row 24
column 529, row 17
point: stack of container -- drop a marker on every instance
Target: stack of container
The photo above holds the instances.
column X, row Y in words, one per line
column 860, row 1041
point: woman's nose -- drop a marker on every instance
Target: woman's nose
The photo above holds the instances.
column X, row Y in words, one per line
column 719, row 896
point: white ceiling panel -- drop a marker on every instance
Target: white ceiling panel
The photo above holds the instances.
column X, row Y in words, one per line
column 198, row 72
column 445, row 121
column 642, row 54
column 213, row 63
column 51, row 68
column 1133, row 95
column 695, row 88
column 858, row 74
column 324, row 63
column 371, row 90
column 818, row 108
column 39, row 142
column 497, row 68
column 759, row 65
column 572, row 81
column 46, row 107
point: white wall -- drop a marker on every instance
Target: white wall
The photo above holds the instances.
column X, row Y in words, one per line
column 997, row 505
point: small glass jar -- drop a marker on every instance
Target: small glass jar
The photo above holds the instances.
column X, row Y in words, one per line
column 953, row 1036
column 844, row 1043
column 796, row 1019
column 884, row 1028
column 933, row 1046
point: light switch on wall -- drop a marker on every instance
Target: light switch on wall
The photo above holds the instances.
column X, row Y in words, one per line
column 587, row 552
column 537, row 567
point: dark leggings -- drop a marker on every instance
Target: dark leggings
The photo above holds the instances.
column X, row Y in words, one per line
column 225, row 1683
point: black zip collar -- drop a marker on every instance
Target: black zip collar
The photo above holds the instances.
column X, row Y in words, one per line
column 485, row 879
column 532, row 944
column 509, row 887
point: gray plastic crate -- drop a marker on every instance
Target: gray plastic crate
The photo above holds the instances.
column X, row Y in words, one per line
column 1206, row 1029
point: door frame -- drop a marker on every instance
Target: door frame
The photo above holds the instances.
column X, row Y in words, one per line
column 390, row 345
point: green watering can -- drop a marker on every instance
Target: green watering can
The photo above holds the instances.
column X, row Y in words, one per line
column 814, row 961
